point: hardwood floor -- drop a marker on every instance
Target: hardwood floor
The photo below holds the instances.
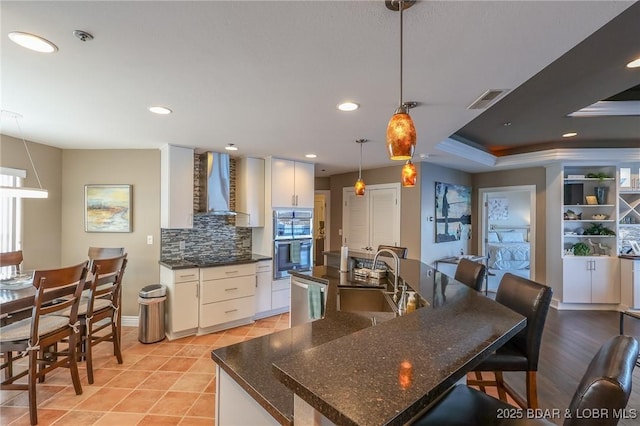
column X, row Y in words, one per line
column 570, row 340
column 172, row 382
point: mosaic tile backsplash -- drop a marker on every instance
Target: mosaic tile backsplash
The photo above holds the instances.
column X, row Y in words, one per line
column 211, row 235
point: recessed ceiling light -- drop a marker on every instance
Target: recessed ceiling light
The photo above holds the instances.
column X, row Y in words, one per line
column 32, row 42
column 634, row 64
column 569, row 135
column 231, row 147
column 348, row 106
column 311, row 155
column 506, row 124
column 160, row 110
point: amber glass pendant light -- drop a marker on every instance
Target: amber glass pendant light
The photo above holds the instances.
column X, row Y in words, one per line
column 401, row 133
column 409, row 174
column 359, row 186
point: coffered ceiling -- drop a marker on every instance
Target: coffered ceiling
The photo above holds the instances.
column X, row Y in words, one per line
column 267, row 75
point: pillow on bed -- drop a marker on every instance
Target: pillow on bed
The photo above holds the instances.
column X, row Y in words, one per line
column 493, row 237
column 511, row 237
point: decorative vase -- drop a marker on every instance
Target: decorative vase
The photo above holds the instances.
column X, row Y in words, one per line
column 601, row 194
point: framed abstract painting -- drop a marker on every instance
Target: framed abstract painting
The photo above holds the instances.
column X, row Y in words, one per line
column 453, row 212
column 107, row 208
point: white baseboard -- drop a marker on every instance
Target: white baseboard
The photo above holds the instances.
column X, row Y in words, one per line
column 129, row 321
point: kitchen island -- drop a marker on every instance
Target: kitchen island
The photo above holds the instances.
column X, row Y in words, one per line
column 343, row 369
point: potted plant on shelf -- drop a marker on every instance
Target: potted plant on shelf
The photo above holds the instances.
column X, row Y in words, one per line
column 581, row 249
column 598, row 229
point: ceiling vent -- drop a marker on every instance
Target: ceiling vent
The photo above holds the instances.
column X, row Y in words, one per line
column 487, row 98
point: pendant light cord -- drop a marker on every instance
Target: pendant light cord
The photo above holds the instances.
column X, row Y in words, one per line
column 360, row 168
column 401, row 6
column 28, row 153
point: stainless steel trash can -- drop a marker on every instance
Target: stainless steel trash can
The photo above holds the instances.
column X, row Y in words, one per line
column 151, row 301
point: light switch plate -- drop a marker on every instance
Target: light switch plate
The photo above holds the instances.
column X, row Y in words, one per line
column 149, row 239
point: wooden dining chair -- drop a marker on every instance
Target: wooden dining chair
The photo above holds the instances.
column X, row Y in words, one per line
column 103, row 253
column 101, row 310
column 57, row 291
column 11, row 258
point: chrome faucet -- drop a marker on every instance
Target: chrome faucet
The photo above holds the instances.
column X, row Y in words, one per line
column 396, row 273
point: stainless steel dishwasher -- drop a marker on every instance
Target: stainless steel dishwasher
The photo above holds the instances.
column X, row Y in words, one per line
column 300, row 311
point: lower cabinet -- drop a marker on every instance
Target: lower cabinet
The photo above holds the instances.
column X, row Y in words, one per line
column 205, row 300
column 182, row 301
column 227, row 297
column 272, row 296
column 591, row 280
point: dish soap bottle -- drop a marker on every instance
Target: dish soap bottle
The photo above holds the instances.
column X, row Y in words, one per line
column 412, row 303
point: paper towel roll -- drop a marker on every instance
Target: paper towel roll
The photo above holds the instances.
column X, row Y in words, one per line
column 344, row 258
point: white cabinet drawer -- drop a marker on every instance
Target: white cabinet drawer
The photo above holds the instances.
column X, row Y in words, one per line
column 263, row 266
column 184, row 275
column 227, row 311
column 281, row 284
column 280, row 298
column 231, row 288
column 221, row 272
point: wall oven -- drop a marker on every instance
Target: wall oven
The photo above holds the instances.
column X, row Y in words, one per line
column 291, row 254
column 292, row 241
column 290, row 224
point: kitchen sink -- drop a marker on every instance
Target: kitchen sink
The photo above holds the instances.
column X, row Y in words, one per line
column 365, row 299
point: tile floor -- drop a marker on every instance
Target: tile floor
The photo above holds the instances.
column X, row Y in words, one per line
column 166, row 383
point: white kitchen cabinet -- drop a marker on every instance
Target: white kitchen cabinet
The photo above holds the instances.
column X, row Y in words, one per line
column 176, row 187
column 182, row 301
column 280, row 295
column 250, row 192
column 292, row 184
column 227, row 297
column 630, row 283
column 263, row 288
column 588, row 279
column 372, row 219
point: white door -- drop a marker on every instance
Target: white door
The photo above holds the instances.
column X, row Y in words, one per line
column 355, row 220
column 576, row 280
column 304, row 185
column 384, row 217
column 605, row 281
column 282, row 182
column 372, row 219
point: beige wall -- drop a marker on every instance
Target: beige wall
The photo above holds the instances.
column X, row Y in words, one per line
column 431, row 251
column 42, row 218
column 410, row 205
column 528, row 176
column 140, row 168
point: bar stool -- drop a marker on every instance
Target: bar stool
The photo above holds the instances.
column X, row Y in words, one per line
column 470, row 273
column 521, row 352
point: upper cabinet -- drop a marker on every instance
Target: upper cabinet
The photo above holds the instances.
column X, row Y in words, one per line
column 176, row 183
column 292, row 184
column 250, row 192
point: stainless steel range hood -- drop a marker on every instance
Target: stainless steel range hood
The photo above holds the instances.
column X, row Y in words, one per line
column 215, row 183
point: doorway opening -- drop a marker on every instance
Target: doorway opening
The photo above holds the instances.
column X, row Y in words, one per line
column 507, row 231
column 321, row 209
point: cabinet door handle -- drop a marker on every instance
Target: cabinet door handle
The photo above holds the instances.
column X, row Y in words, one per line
column 231, row 289
column 293, row 200
column 197, row 292
column 188, row 276
column 232, row 310
column 231, row 272
column 296, row 200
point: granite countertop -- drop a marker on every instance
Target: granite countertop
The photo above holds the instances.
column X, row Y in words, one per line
column 350, row 370
column 213, row 261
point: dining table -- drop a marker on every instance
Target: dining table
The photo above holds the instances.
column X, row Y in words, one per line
column 17, row 292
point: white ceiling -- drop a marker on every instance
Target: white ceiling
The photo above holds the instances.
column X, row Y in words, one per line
column 267, row 75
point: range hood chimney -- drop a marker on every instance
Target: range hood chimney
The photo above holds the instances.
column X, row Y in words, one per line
column 215, row 183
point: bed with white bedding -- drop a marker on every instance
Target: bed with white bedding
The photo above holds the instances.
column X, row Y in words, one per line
column 508, row 250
